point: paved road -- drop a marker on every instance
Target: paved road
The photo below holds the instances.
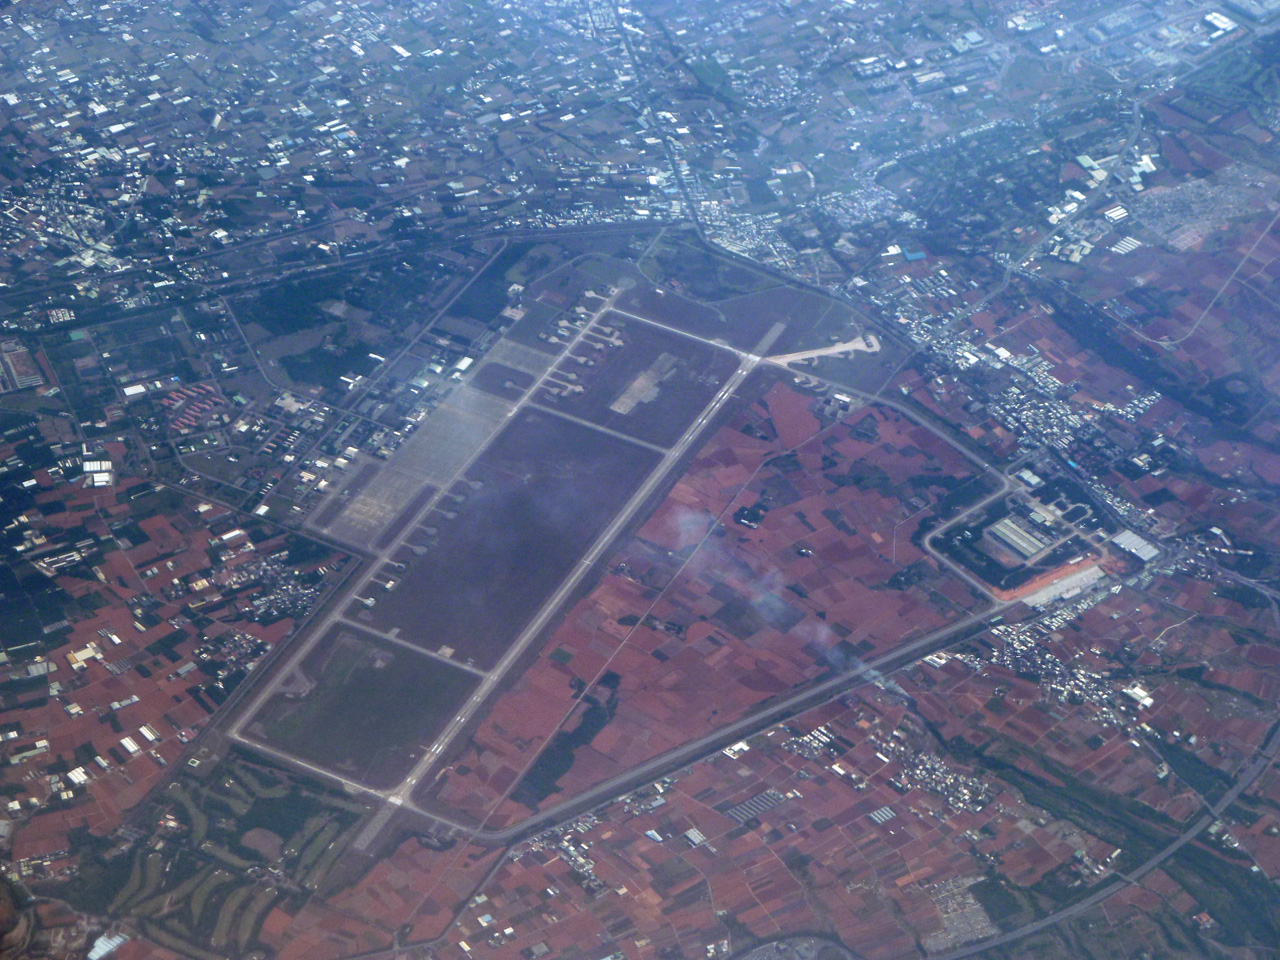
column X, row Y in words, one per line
column 303, row 646
column 722, row 737
column 1251, row 771
column 402, row 794
column 553, row 603
column 582, row 421
column 960, row 571
column 866, row 343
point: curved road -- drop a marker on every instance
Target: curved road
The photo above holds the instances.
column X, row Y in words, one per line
column 1251, row 771
column 718, row 739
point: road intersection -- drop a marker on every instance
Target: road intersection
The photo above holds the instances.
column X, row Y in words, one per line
column 401, row 795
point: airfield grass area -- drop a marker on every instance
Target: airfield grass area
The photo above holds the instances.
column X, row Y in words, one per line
column 650, row 388
column 496, row 548
column 741, row 319
column 812, row 319
column 861, row 370
column 502, row 380
column 362, row 707
column 538, row 317
column 673, row 310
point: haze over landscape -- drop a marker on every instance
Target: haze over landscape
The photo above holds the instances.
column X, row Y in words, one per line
column 701, row 480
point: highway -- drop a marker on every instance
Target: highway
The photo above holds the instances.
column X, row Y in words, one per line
column 1251, row 771
column 761, row 719
column 402, row 794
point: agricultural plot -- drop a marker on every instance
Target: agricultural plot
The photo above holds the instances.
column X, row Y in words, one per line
column 790, row 548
